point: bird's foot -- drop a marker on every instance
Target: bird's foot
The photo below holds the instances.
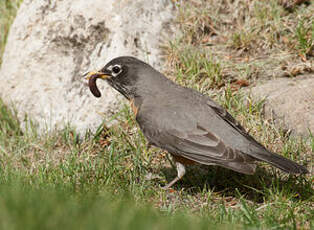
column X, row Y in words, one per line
column 169, row 185
column 180, row 171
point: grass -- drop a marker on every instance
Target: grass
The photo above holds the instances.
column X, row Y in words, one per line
column 110, row 169
column 305, row 37
column 111, row 179
column 24, row 207
column 8, row 10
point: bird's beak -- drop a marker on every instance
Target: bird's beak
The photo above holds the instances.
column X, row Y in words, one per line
column 97, row 74
column 92, row 77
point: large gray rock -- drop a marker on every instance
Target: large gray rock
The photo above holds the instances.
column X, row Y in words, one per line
column 51, row 43
column 290, row 102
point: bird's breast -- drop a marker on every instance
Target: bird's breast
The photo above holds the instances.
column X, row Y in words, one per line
column 134, row 107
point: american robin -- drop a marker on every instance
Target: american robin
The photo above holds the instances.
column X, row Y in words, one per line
column 189, row 125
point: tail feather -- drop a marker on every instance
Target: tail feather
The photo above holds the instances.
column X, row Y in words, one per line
column 280, row 162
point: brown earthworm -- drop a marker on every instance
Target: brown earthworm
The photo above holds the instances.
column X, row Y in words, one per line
column 92, row 85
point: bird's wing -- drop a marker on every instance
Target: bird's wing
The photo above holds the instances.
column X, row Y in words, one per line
column 257, row 150
column 182, row 135
column 223, row 113
column 205, row 147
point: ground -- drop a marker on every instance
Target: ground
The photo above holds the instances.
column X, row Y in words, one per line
column 111, row 178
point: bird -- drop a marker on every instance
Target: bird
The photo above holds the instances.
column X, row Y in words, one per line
column 189, row 125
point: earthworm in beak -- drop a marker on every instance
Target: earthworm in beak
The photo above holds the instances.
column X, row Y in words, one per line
column 92, row 77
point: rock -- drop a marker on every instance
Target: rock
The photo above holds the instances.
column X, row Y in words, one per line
column 52, row 43
column 290, row 102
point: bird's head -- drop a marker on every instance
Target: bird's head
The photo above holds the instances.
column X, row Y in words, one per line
column 122, row 73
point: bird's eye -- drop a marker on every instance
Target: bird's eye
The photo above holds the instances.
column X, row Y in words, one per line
column 116, row 69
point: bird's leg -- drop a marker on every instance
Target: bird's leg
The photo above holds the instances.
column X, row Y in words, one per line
column 180, row 171
column 170, row 161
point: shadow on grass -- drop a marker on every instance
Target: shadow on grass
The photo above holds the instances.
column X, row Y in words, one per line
column 258, row 187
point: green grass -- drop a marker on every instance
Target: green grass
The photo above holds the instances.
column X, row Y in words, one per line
column 86, row 176
column 50, row 207
column 99, row 180
column 8, row 10
column 305, row 37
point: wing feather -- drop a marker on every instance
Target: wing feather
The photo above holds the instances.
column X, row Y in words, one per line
column 193, row 142
column 182, row 134
column 257, row 150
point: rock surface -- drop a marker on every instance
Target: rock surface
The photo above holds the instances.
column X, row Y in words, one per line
column 52, row 43
column 290, row 102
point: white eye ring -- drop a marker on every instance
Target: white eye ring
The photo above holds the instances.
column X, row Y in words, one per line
column 115, row 70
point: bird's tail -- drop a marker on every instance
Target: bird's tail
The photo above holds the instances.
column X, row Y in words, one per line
column 281, row 162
